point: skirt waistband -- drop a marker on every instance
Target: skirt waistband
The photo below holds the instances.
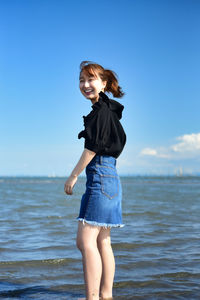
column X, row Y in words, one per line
column 104, row 160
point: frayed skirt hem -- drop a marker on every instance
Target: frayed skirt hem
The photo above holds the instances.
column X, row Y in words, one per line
column 94, row 223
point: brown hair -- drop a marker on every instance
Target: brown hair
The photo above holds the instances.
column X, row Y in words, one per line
column 112, row 86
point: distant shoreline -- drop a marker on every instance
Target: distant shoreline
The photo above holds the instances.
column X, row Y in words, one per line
column 83, row 176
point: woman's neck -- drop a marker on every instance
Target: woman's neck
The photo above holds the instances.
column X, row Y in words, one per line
column 95, row 100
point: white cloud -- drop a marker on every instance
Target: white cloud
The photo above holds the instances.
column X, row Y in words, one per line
column 160, row 152
column 149, row 151
column 187, row 147
column 188, row 143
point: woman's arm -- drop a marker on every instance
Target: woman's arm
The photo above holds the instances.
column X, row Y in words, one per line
column 84, row 160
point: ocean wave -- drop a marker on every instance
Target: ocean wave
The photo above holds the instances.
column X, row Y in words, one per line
column 38, row 263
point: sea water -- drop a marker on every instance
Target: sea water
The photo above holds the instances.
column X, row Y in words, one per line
column 157, row 253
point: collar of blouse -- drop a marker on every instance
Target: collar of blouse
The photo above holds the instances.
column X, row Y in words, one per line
column 102, row 98
column 113, row 105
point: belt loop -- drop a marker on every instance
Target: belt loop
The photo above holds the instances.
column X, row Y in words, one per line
column 100, row 160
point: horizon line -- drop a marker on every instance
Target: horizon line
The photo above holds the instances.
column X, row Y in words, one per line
column 121, row 175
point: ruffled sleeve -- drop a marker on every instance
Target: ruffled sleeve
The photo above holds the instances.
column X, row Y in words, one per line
column 97, row 130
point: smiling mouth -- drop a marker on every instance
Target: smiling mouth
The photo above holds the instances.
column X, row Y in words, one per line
column 87, row 92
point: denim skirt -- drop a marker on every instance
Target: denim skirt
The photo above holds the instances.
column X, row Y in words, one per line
column 101, row 202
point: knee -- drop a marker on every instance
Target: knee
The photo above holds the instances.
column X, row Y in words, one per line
column 84, row 246
column 103, row 243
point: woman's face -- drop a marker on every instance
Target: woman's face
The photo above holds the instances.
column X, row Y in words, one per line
column 91, row 86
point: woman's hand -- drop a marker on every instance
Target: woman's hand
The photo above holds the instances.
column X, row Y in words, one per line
column 84, row 160
column 69, row 184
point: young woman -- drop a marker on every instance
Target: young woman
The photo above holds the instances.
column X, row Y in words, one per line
column 100, row 208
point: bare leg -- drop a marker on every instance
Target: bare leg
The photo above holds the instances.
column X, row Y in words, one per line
column 92, row 265
column 108, row 263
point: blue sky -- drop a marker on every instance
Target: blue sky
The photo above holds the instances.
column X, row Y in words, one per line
column 153, row 46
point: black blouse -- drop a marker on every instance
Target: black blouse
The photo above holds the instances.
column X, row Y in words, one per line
column 103, row 132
